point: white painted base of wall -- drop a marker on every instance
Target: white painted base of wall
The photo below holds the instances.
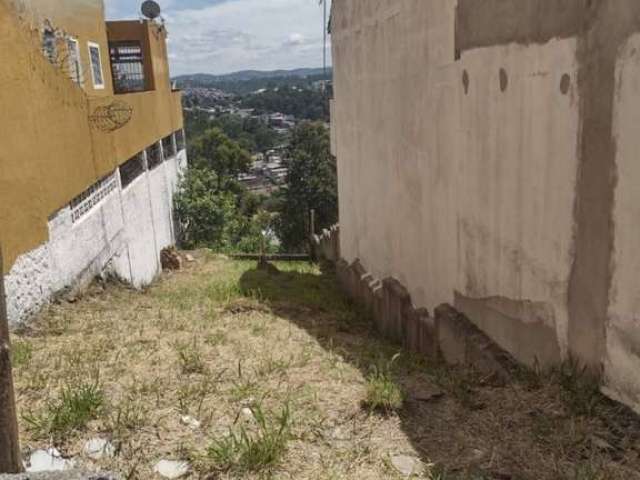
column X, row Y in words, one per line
column 121, row 235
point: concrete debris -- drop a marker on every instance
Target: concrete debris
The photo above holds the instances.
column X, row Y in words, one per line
column 406, row 465
column 170, row 259
column 172, row 469
column 189, row 258
column 247, row 413
column 98, row 448
column 48, row 461
column 190, row 422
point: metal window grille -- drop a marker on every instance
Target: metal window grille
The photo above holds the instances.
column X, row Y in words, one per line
column 154, row 155
column 75, row 71
column 49, row 46
column 180, row 140
column 168, row 147
column 131, row 170
column 127, row 66
column 96, row 65
column 87, row 200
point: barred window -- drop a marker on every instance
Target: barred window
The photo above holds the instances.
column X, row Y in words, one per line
column 127, row 67
column 168, row 147
column 84, row 203
column 49, row 46
column 154, row 155
column 96, row 65
column 73, row 52
column 132, row 169
column 180, row 140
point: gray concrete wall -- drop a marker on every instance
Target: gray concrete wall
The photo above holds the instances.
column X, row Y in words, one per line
column 486, row 161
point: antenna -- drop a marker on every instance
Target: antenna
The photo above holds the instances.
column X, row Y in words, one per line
column 150, row 9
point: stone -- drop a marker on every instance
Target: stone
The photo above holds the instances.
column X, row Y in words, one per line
column 425, row 393
column 172, row 469
column 48, row 461
column 247, row 413
column 98, row 448
column 170, row 259
column 189, row 258
column 190, row 422
column 407, row 465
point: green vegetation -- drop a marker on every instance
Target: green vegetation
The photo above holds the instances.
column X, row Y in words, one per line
column 214, row 209
column 303, row 103
column 383, row 393
column 76, row 406
column 252, row 134
column 251, row 450
column 21, row 353
column 311, row 184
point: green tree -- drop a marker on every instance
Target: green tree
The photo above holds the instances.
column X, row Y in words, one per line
column 311, row 184
column 217, row 152
column 206, row 214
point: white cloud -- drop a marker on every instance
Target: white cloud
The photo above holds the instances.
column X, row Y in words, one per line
column 218, row 36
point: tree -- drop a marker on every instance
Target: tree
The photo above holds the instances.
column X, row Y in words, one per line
column 206, row 214
column 311, row 184
column 217, row 152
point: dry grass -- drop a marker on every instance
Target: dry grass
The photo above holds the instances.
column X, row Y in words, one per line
column 277, row 367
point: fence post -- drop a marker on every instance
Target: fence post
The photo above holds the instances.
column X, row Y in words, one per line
column 10, row 461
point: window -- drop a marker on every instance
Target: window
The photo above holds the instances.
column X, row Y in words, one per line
column 49, row 47
column 168, row 148
column 73, row 58
column 180, row 140
column 91, row 197
column 96, row 65
column 154, row 156
column 127, row 67
column 131, row 170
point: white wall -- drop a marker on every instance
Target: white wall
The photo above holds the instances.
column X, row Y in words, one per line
column 123, row 234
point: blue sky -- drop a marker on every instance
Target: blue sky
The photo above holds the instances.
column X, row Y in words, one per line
column 221, row 36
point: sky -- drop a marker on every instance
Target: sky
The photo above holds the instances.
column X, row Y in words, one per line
column 223, row 36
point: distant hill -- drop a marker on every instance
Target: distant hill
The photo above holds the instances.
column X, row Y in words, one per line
column 248, row 81
column 246, row 75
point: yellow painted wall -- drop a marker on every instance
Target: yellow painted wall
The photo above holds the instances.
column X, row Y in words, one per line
column 50, row 152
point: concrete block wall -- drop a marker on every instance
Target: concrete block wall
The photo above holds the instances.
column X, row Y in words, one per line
column 123, row 235
column 444, row 335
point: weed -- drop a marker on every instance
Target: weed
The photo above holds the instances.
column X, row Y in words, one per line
column 252, row 450
column 21, row 353
column 190, row 357
column 127, row 415
column 75, row 408
column 580, row 388
column 383, row 393
column 219, row 337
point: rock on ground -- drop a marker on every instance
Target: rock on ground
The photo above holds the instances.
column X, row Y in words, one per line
column 48, row 461
column 172, row 469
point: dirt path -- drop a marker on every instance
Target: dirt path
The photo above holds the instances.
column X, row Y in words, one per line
column 254, row 374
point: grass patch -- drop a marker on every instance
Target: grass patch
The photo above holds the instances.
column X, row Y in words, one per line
column 21, row 353
column 252, row 451
column 72, row 411
column 190, row 357
column 384, row 395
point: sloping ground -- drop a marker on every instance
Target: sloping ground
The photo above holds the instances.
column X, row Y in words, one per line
column 251, row 373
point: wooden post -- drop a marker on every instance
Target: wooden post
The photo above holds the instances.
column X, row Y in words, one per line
column 10, row 461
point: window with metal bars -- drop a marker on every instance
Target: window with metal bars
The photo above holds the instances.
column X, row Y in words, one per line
column 154, row 156
column 127, row 67
column 180, row 140
column 131, row 170
column 84, row 203
column 168, row 147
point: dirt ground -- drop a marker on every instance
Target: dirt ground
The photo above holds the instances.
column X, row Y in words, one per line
column 187, row 369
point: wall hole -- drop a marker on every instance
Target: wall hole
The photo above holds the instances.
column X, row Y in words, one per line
column 504, row 80
column 465, row 81
column 565, row 83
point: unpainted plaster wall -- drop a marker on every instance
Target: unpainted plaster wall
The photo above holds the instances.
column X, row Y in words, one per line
column 486, row 156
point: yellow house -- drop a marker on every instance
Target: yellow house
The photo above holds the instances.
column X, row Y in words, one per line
column 93, row 146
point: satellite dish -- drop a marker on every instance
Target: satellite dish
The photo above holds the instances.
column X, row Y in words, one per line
column 151, row 9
